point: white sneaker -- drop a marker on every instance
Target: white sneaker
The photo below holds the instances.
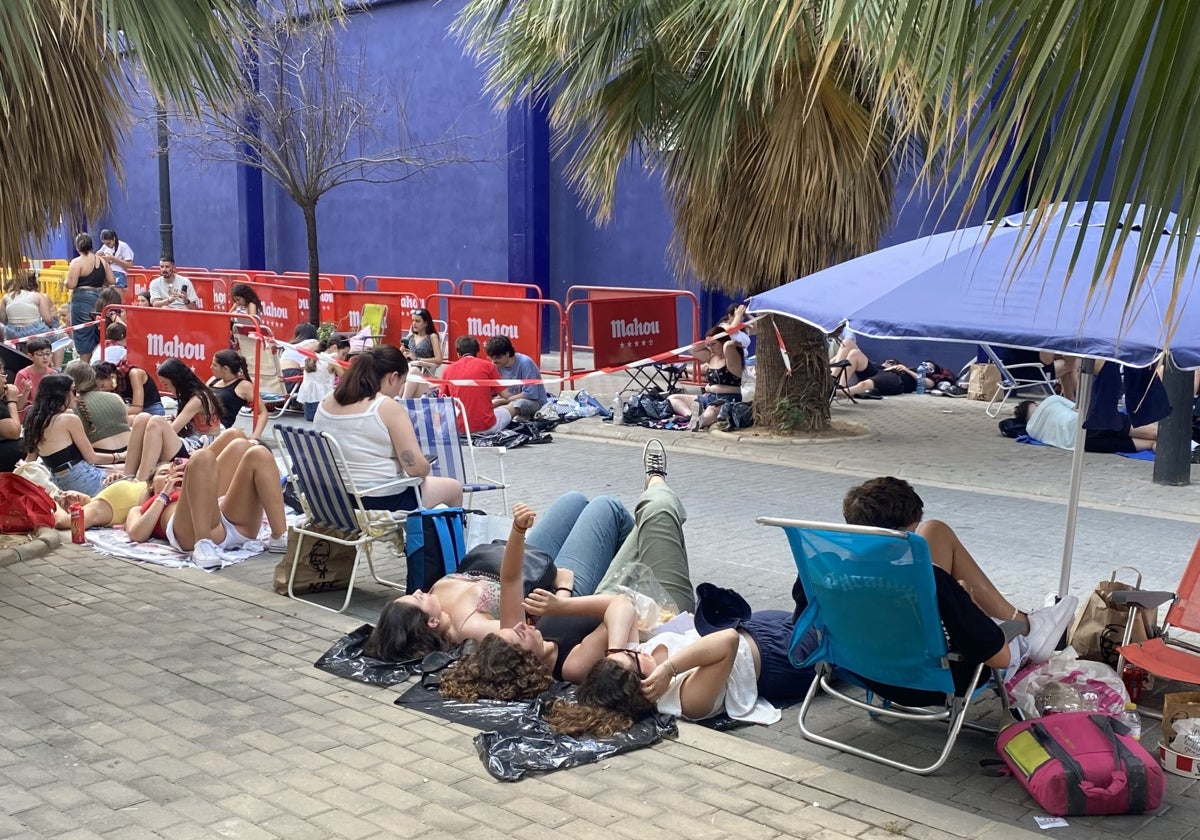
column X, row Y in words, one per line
column 694, row 422
column 1046, row 627
column 206, row 555
column 276, row 545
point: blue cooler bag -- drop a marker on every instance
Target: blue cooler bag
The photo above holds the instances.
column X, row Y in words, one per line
column 433, row 545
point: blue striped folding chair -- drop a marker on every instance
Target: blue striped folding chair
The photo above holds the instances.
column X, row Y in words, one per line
column 333, row 505
column 872, row 600
column 434, row 421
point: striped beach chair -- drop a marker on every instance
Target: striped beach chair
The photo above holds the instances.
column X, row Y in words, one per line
column 434, row 420
column 334, row 505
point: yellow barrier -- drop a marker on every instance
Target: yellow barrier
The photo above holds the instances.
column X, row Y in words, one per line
column 50, row 283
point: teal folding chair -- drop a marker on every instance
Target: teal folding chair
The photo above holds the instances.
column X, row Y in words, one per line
column 434, row 421
column 872, row 600
column 334, row 506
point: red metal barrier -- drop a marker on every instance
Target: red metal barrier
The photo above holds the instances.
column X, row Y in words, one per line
column 484, row 317
column 414, row 291
column 496, row 288
column 337, row 282
column 625, row 325
column 193, row 336
column 347, row 312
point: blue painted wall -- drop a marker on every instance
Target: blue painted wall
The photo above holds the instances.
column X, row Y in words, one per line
column 481, row 221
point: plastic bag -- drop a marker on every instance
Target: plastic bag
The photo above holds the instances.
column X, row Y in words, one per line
column 651, row 601
column 346, row 659
column 1082, row 683
column 483, row 528
column 1187, row 737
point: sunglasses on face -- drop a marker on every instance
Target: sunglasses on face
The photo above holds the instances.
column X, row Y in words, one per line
column 633, row 654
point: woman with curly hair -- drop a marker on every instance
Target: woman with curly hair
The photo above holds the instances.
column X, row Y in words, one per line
column 133, row 385
column 473, row 676
column 245, row 300
column 155, row 440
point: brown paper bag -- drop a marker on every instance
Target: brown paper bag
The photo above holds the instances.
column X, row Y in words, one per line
column 984, row 382
column 1179, row 705
column 1100, row 625
column 324, row 566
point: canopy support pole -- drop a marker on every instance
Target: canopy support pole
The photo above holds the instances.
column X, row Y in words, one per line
column 1087, row 371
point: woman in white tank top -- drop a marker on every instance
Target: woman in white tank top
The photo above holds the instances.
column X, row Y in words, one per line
column 24, row 310
column 376, row 434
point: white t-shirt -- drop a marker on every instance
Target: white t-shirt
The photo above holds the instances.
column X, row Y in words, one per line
column 114, row 353
column 1054, row 421
column 122, row 251
column 160, row 289
column 741, row 700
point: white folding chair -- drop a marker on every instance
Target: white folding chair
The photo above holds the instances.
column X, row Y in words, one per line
column 333, row 504
column 434, row 420
column 1018, row 377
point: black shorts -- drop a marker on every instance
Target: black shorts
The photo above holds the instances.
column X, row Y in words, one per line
column 779, row 681
column 1110, row 441
column 889, row 383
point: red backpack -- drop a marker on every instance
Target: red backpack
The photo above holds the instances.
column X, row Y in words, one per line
column 27, row 506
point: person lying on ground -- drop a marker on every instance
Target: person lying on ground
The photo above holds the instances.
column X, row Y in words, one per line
column 1055, row 421
column 892, row 379
column 593, row 545
column 215, row 500
column 856, row 368
column 723, row 362
column 971, row 606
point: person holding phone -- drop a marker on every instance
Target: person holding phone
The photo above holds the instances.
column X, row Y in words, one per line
column 171, row 290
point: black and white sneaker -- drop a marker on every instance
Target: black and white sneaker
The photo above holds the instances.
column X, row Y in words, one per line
column 654, row 459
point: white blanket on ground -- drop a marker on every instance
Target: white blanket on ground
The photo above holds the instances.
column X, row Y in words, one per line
column 116, row 543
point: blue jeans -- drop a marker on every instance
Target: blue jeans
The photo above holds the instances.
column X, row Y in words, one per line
column 83, row 309
column 155, row 408
column 81, row 477
column 599, row 541
column 582, row 536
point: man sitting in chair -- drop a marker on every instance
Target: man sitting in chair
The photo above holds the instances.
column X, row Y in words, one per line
column 970, row 605
column 519, row 400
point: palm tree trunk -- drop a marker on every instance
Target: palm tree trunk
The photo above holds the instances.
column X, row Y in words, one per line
column 314, row 264
column 799, row 402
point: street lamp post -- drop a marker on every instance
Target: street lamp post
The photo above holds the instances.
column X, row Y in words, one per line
column 166, row 230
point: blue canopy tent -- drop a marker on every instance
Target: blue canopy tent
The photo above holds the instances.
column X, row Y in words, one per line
column 969, row 286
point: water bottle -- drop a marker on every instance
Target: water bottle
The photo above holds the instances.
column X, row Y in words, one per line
column 1131, row 719
column 922, row 370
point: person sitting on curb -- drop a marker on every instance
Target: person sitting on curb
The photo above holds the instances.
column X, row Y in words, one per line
column 971, row 606
column 519, row 400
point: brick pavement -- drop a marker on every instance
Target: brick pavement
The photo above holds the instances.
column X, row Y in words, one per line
column 139, row 702
column 181, row 704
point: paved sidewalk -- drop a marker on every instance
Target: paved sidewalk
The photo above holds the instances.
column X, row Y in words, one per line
column 144, row 703
column 138, row 702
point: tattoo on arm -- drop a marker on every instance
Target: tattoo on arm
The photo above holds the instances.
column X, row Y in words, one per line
column 407, row 458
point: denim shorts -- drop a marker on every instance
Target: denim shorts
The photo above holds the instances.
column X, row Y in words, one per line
column 81, row 477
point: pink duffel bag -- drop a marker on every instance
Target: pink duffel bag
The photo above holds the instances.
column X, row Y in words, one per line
column 1077, row 763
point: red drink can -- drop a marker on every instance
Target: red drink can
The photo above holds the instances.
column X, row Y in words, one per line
column 1133, row 677
column 77, row 525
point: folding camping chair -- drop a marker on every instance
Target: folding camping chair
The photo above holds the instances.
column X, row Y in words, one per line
column 872, row 600
column 1015, row 378
column 434, row 420
column 1163, row 655
column 334, row 505
column 374, row 319
column 663, row 376
column 271, row 388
